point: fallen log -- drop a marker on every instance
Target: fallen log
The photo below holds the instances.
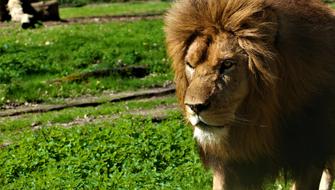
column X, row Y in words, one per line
column 47, row 10
column 124, row 71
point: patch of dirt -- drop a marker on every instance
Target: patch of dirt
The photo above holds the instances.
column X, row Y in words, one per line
column 94, row 19
column 110, row 18
column 88, row 101
column 157, row 114
column 4, row 145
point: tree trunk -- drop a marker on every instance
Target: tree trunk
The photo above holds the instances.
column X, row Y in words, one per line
column 39, row 10
column 4, row 14
column 46, row 11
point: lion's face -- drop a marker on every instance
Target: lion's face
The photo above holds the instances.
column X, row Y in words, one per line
column 216, row 70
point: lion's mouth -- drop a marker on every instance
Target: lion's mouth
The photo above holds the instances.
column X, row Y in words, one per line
column 198, row 121
column 205, row 125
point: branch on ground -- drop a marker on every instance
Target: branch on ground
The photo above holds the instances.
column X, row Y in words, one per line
column 124, row 71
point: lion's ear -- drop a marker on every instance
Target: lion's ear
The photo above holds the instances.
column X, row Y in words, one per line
column 261, row 25
column 270, row 19
column 265, row 14
column 257, row 35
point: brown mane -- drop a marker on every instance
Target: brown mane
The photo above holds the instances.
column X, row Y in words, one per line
column 291, row 50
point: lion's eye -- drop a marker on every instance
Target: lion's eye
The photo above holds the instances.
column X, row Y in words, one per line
column 226, row 65
column 189, row 69
column 189, row 65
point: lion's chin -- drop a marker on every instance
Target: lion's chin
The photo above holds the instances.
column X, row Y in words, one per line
column 207, row 133
column 210, row 135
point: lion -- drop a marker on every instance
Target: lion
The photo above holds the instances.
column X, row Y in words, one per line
column 256, row 80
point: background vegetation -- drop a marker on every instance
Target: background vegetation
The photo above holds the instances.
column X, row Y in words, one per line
column 29, row 59
column 115, row 9
column 83, row 2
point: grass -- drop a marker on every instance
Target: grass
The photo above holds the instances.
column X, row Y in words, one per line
column 114, row 9
column 29, row 59
column 128, row 153
column 123, row 153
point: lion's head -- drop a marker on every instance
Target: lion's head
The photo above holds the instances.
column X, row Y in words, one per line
column 224, row 63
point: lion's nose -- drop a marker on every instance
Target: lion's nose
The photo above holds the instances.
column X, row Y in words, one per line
column 197, row 108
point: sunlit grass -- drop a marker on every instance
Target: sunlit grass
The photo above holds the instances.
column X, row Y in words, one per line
column 127, row 153
column 114, row 9
column 32, row 58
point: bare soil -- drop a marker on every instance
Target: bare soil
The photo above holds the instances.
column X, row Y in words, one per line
column 94, row 19
column 87, row 101
column 157, row 114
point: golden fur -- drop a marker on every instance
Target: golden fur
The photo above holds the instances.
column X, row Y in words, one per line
column 290, row 50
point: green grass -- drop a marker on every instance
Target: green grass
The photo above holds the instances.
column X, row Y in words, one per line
column 114, row 9
column 122, row 153
column 127, row 153
column 30, row 58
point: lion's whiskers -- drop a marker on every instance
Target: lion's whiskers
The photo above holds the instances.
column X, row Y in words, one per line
column 243, row 122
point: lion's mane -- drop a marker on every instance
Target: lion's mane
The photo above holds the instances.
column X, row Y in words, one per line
column 291, row 50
